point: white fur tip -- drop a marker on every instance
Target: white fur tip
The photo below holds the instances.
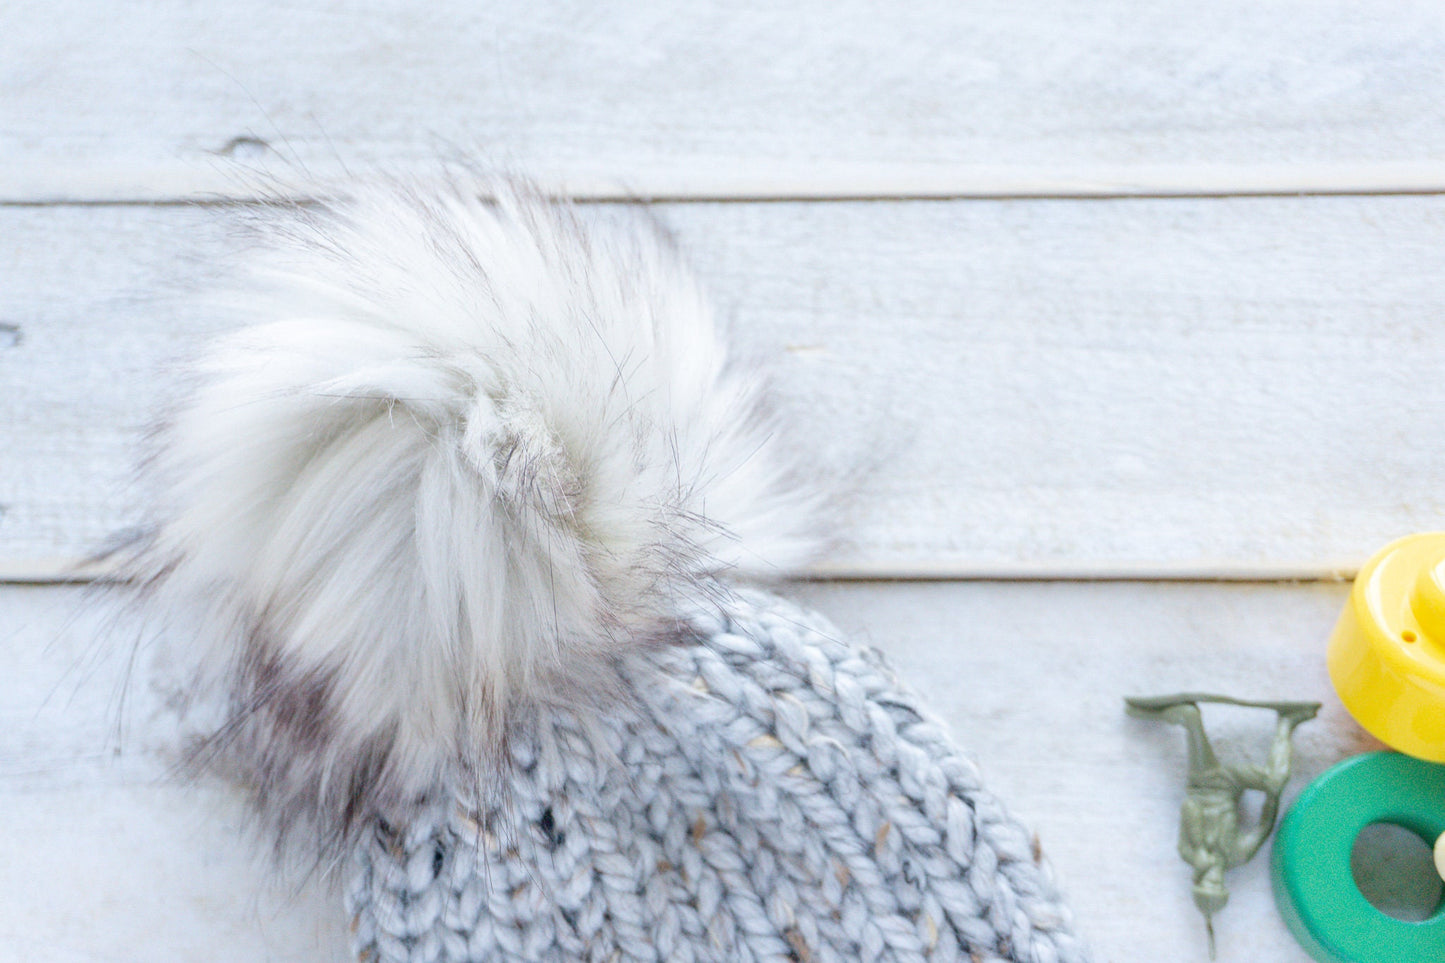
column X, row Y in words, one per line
column 464, row 455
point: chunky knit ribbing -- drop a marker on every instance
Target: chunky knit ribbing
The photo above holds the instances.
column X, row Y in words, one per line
column 771, row 793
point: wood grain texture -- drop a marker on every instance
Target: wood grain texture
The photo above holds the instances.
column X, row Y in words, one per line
column 102, row 858
column 1243, row 388
column 752, row 99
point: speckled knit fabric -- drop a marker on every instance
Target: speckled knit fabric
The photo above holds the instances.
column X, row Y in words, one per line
column 772, row 793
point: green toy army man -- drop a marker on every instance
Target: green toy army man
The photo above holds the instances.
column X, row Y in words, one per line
column 1210, row 837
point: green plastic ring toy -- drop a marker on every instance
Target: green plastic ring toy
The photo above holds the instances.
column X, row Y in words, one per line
column 1313, row 884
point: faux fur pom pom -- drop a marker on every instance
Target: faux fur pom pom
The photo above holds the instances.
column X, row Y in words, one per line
column 465, row 455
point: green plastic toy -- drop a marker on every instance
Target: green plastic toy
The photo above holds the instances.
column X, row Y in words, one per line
column 1211, row 839
column 1313, row 882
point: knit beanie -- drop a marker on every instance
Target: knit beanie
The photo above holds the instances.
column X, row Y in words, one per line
column 470, row 522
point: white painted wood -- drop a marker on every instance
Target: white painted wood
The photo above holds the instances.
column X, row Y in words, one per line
column 100, row 858
column 1236, row 388
column 725, row 98
column 103, row 857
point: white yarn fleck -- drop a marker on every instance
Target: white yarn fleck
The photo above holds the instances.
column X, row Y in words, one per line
column 773, row 794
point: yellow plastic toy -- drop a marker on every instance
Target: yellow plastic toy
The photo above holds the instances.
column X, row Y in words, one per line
column 1387, row 654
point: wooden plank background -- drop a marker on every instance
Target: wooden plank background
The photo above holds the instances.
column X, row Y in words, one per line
column 1096, row 291
column 819, row 96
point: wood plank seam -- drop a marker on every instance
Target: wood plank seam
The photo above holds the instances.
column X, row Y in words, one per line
column 79, row 572
column 184, row 184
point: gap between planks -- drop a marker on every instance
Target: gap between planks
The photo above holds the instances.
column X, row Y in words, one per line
column 218, row 183
column 73, row 572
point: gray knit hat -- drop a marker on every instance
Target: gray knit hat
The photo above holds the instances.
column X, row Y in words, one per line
column 772, row 793
column 458, row 519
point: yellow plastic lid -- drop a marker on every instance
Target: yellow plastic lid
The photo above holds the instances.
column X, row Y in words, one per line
column 1387, row 653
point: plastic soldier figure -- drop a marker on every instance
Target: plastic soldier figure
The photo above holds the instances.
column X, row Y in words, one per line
column 1210, row 837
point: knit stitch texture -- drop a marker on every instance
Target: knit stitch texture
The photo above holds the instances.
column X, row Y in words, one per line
column 769, row 793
